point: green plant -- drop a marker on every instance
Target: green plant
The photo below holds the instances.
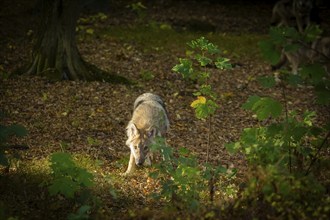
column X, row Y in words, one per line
column 81, row 214
column 194, row 68
column 310, row 73
column 68, row 178
column 6, row 132
column 147, row 75
column 184, row 181
column 282, row 150
column 139, row 9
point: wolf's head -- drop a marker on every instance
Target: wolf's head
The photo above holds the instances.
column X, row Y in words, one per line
column 138, row 141
column 303, row 6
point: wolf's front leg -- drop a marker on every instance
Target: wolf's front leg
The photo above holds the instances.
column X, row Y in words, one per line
column 131, row 165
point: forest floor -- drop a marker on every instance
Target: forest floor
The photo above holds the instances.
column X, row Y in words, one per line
column 88, row 119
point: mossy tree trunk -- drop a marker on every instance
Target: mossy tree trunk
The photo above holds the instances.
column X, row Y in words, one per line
column 55, row 54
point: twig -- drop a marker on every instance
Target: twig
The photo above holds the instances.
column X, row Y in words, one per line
column 286, row 127
column 208, row 140
column 317, row 153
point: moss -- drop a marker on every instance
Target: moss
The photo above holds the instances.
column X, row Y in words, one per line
column 154, row 38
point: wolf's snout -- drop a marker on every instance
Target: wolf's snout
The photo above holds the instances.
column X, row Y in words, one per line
column 139, row 162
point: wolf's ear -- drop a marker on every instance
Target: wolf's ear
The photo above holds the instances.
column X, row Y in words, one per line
column 132, row 130
column 152, row 133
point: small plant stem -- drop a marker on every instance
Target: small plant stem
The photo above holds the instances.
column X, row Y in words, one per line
column 286, row 126
column 211, row 187
column 208, row 139
column 317, row 153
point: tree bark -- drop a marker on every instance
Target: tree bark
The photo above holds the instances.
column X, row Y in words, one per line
column 55, row 54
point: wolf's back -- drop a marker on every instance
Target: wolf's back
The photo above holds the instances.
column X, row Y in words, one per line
column 149, row 112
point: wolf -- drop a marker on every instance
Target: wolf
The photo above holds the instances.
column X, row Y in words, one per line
column 149, row 119
column 294, row 13
column 303, row 11
column 282, row 14
column 316, row 52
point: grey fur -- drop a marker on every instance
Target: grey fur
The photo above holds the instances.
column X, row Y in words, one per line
column 149, row 119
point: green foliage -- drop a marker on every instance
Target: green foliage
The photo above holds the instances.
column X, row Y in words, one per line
column 282, row 151
column 139, row 9
column 204, row 108
column 263, row 107
column 183, row 179
column 185, row 69
column 68, row 178
column 194, row 68
column 6, row 132
column 286, row 39
column 279, row 157
column 267, row 81
column 82, row 213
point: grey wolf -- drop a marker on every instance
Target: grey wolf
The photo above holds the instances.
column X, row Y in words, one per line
column 149, row 120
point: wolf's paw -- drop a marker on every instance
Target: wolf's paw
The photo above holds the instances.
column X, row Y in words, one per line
column 126, row 173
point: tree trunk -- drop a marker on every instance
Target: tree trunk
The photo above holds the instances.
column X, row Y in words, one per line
column 56, row 55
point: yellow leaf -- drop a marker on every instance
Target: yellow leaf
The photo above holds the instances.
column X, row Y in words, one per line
column 90, row 31
column 199, row 100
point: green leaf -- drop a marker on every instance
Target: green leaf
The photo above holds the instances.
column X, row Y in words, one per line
column 249, row 136
column 67, row 177
column 205, row 108
column 294, row 80
column 312, row 32
column 232, row 147
column 315, row 72
column 204, row 45
column 63, row 185
column 263, row 107
column 298, row 132
column 322, row 95
column 85, row 178
column 203, row 60
column 269, row 51
column 81, row 214
column 223, row 63
column 248, row 105
column 61, row 160
column 267, row 107
column 274, row 130
column 291, row 47
column 154, row 175
column 277, row 35
column 185, row 68
column 184, row 151
column 267, row 81
column 206, row 90
column 221, row 169
column 308, row 117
